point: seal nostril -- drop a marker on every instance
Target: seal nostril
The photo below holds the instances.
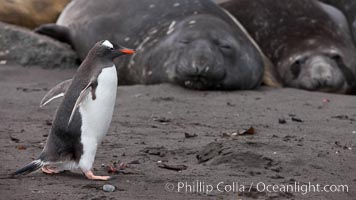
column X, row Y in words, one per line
column 194, row 65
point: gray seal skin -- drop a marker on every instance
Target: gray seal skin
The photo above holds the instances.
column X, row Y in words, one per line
column 348, row 7
column 193, row 43
column 309, row 43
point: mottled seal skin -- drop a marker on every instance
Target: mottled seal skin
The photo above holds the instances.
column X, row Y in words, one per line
column 309, row 43
column 193, row 43
column 31, row 13
column 348, row 7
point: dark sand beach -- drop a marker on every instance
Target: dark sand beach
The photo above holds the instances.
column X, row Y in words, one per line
column 299, row 138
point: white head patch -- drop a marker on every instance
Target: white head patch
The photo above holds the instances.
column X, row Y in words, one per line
column 108, row 44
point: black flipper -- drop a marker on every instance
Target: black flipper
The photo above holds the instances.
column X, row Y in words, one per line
column 57, row 91
column 31, row 167
column 57, row 32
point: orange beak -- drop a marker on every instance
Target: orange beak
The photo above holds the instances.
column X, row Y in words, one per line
column 127, row 51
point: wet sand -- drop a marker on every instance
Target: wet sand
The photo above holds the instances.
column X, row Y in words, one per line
column 299, row 137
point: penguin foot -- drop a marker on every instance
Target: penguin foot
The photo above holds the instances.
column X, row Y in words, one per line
column 91, row 176
column 47, row 170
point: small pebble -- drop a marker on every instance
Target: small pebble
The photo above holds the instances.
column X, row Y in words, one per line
column 109, row 188
column 234, row 134
column 282, row 121
column 190, row 135
column 295, row 119
column 135, row 162
column 325, row 100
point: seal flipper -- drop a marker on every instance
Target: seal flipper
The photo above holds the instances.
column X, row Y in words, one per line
column 57, row 91
column 57, row 32
column 337, row 16
column 270, row 77
column 92, row 84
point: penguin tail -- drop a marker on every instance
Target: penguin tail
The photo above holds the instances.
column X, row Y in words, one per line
column 31, row 167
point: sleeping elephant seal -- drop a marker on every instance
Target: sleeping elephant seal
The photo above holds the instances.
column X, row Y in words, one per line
column 193, row 43
column 348, row 7
column 31, row 13
column 309, row 43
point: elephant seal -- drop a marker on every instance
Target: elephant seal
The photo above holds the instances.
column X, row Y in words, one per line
column 348, row 7
column 309, row 43
column 193, row 43
column 31, row 13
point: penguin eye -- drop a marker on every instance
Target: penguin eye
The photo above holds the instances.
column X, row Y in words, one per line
column 111, row 48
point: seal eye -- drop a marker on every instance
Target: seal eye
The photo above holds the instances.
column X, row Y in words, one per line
column 184, row 41
column 296, row 68
column 225, row 47
column 336, row 57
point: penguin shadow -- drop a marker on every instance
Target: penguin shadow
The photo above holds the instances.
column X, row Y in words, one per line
column 75, row 175
column 7, row 176
column 66, row 174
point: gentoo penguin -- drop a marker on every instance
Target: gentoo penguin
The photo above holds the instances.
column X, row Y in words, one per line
column 84, row 116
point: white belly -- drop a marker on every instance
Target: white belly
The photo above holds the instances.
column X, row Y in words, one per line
column 97, row 114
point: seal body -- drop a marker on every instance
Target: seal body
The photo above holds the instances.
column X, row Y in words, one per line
column 308, row 43
column 193, row 43
column 348, row 7
column 31, row 13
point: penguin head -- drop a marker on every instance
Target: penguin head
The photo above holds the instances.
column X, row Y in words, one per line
column 106, row 49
